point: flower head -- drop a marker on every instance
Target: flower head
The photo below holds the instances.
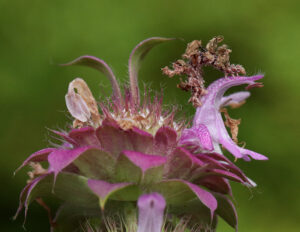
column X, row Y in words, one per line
column 133, row 157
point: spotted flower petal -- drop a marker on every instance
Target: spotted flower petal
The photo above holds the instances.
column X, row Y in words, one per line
column 196, row 138
column 208, row 114
column 151, row 212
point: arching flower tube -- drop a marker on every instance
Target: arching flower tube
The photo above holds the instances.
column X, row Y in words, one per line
column 208, row 127
column 128, row 163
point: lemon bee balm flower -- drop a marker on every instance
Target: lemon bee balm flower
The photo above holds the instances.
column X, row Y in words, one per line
column 131, row 165
column 208, row 125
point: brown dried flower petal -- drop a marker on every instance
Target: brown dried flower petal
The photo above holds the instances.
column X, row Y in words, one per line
column 232, row 124
column 212, row 45
column 195, row 57
column 37, row 171
column 192, row 49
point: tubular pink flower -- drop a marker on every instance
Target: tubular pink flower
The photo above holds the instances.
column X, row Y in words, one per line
column 209, row 115
column 151, row 212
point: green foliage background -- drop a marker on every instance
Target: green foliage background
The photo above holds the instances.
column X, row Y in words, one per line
column 264, row 35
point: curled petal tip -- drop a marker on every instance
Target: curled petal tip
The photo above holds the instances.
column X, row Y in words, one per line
column 136, row 56
column 103, row 67
column 240, row 152
column 255, row 155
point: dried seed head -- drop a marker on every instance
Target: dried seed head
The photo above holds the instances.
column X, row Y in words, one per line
column 195, row 57
column 192, row 49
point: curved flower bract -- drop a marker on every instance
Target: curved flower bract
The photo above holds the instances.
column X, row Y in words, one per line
column 133, row 157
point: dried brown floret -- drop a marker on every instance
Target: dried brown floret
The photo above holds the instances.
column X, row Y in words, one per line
column 37, row 170
column 212, row 45
column 195, row 57
column 192, row 49
column 231, row 123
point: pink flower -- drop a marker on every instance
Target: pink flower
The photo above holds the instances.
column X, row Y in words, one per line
column 208, row 130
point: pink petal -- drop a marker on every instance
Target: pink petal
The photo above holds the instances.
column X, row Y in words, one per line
column 179, row 164
column 235, row 98
column 151, row 212
column 25, row 195
column 225, row 164
column 144, row 161
column 177, row 191
column 227, row 210
column 209, row 115
column 113, row 139
column 240, row 152
column 85, row 136
column 165, row 140
column 215, row 183
column 65, row 136
column 226, row 174
column 61, row 158
column 103, row 189
column 197, row 136
column 141, row 141
column 205, row 197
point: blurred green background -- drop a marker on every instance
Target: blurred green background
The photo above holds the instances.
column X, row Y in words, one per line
column 264, row 35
